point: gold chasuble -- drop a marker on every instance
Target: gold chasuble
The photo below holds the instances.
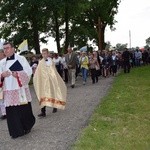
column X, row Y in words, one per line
column 49, row 87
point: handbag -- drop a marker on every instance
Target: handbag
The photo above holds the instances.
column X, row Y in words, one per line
column 97, row 67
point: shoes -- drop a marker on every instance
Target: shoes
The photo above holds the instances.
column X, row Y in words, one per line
column 3, row 117
column 42, row 115
column 72, row 85
column 14, row 137
column 54, row 110
column 27, row 131
column 83, row 82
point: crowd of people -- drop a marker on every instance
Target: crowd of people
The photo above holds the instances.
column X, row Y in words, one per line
column 94, row 64
column 51, row 72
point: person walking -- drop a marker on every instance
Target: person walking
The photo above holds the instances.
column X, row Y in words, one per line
column 71, row 60
column 49, row 87
column 114, row 63
column 84, row 62
column 126, row 60
column 14, row 78
column 93, row 63
column 58, row 64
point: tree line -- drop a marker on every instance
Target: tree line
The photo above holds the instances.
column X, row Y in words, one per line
column 75, row 21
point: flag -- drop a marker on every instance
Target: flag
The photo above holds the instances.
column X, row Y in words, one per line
column 23, row 46
column 83, row 49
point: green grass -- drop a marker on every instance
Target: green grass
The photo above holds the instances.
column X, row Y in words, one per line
column 122, row 120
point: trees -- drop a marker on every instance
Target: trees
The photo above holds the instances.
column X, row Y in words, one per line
column 147, row 46
column 97, row 16
column 148, row 41
column 90, row 23
column 22, row 19
column 108, row 45
column 120, row 46
column 77, row 21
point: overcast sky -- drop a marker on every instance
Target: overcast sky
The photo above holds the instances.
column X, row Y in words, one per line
column 133, row 15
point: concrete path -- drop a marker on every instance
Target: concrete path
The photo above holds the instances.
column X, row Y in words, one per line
column 59, row 131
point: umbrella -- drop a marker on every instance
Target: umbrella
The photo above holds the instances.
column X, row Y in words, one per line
column 83, row 49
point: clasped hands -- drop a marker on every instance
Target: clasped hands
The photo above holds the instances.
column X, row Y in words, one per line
column 8, row 73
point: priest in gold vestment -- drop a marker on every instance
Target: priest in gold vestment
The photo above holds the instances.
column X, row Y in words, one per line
column 50, row 89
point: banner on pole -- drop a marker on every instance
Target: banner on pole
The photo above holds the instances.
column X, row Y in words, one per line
column 23, row 46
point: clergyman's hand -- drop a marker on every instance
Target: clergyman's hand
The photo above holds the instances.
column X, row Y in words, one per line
column 14, row 74
column 6, row 74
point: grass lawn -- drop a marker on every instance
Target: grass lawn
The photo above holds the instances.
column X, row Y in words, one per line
column 122, row 120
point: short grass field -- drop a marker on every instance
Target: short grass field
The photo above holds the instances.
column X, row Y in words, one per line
column 122, row 120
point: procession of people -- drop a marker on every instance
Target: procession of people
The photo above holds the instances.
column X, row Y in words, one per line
column 51, row 73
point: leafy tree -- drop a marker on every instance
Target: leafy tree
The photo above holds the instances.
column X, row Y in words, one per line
column 22, row 19
column 97, row 15
column 72, row 8
column 148, row 41
column 120, row 46
column 146, row 47
column 75, row 20
column 108, row 45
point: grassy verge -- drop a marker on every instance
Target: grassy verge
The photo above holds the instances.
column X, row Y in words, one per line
column 122, row 120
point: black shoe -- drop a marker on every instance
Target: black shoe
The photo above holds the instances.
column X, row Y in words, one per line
column 27, row 131
column 72, row 86
column 14, row 137
column 65, row 81
column 54, row 110
column 3, row 117
column 42, row 115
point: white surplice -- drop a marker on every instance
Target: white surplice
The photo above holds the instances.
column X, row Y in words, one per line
column 16, row 91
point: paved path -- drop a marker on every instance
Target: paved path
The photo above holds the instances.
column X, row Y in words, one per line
column 59, row 131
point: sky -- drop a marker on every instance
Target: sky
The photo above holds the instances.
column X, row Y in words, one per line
column 133, row 15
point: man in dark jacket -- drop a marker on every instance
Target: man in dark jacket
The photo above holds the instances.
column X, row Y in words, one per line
column 126, row 60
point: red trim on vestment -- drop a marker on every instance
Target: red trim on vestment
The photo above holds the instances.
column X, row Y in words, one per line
column 19, row 82
column 52, row 100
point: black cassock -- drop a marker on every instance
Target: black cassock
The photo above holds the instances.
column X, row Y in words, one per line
column 20, row 119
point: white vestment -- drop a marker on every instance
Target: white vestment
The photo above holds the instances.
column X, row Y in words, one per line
column 16, row 90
